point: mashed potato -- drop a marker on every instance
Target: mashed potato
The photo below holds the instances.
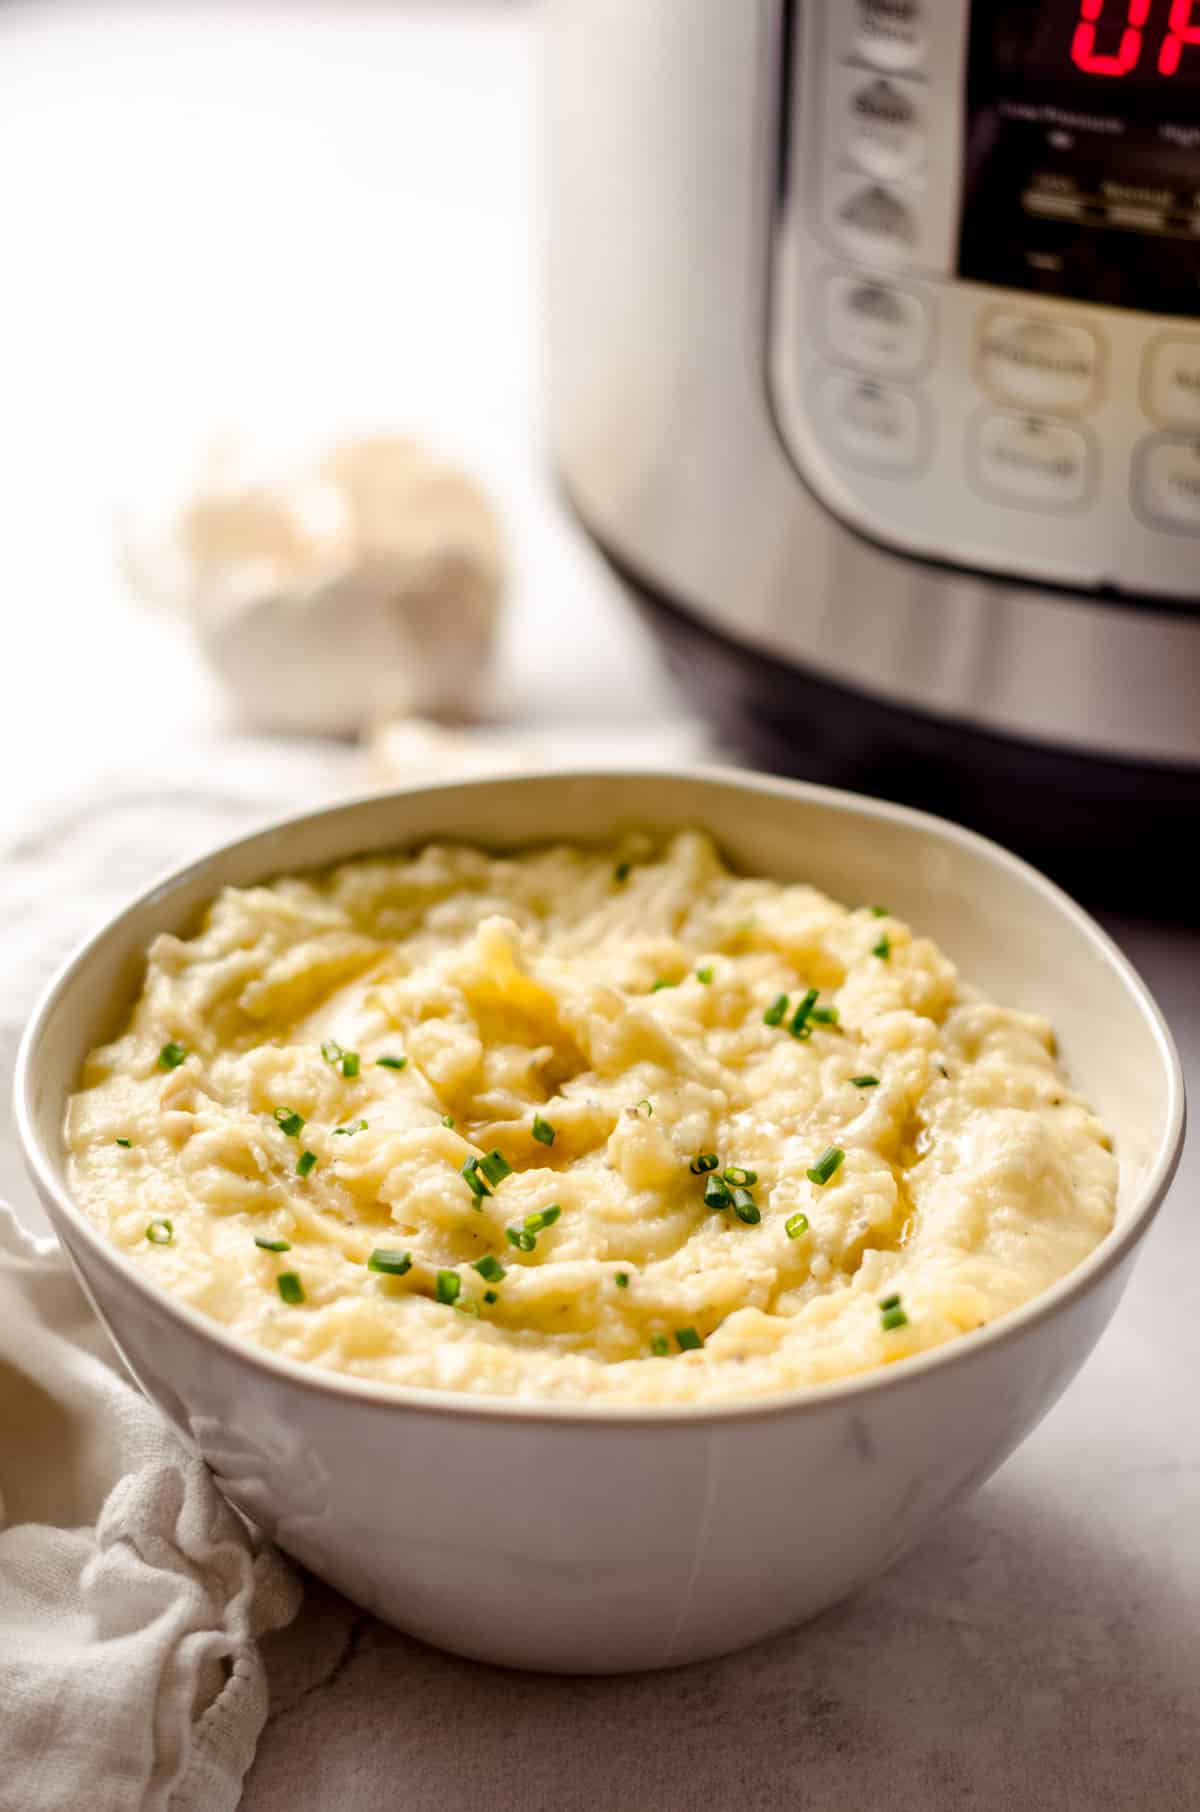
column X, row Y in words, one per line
column 608, row 1126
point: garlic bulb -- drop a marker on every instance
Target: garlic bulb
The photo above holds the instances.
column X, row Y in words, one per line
column 362, row 584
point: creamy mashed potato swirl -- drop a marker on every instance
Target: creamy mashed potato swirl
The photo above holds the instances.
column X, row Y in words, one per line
column 889, row 1161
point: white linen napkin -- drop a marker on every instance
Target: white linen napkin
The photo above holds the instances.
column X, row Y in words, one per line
column 130, row 1593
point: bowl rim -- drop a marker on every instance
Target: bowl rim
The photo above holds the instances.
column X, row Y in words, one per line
column 493, row 1407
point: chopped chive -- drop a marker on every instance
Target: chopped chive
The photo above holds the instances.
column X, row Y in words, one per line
column 775, row 1012
column 490, row 1296
column 449, row 1283
column 829, row 1161
column 622, row 872
column 475, row 1183
column 883, row 948
column 796, row 1226
column 288, row 1122
column 716, row 1194
column 705, row 975
column 331, row 1050
column 648, row 1105
column 347, row 1132
column 662, row 982
column 545, row 1217
column 739, row 1176
column 660, row 1346
column 306, row 1163
column 703, row 1162
column 390, row 1063
column 160, row 1232
column 490, row 1268
column 495, row 1167
column 825, row 1016
column 272, row 1245
column 689, row 1340
column 890, row 1302
column 865, row 1081
column 517, row 1236
column 172, row 1055
column 448, row 1120
column 622, row 1280
column 290, row 1287
column 880, row 912
column 746, row 1208
column 893, row 1318
column 543, row 1132
column 127, row 1143
column 389, row 1261
column 346, row 1061
column 800, row 1027
column 349, row 1064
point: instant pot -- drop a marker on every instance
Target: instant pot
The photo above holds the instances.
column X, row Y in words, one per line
column 874, row 365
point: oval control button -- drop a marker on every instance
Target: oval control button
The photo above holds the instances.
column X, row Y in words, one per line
column 872, row 424
column 875, row 224
column 1045, row 364
column 891, row 33
column 885, row 126
column 1167, row 482
column 1172, row 382
column 1027, row 460
column 876, row 325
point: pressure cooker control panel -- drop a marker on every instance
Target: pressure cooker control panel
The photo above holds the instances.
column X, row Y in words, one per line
column 985, row 332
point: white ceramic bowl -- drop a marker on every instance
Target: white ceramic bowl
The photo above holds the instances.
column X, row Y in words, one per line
column 600, row 1540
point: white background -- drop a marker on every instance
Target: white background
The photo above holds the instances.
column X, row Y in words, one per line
column 281, row 219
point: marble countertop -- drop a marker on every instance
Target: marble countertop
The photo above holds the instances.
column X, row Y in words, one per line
column 1039, row 1652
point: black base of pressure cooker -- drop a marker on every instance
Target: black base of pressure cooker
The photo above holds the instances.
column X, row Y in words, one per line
column 1113, row 833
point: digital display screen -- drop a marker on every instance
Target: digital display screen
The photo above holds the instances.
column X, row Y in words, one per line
column 1142, row 42
column 1083, row 150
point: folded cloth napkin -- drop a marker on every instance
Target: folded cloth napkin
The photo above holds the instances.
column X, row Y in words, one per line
column 130, row 1593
